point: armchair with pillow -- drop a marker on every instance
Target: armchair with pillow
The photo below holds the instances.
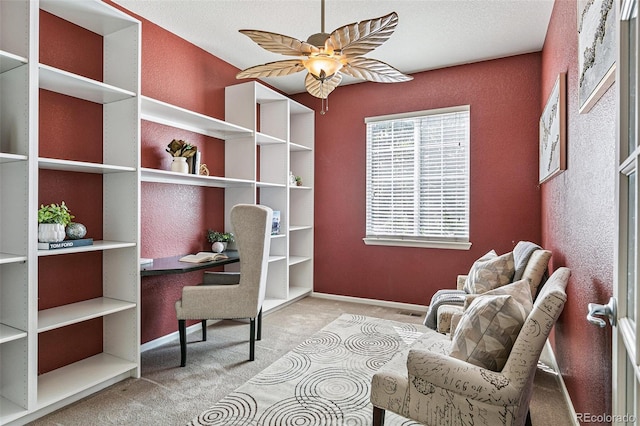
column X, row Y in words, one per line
column 527, row 261
column 483, row 373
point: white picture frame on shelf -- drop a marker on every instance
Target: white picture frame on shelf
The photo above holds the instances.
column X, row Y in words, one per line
column 596, row 50
column 553, row 131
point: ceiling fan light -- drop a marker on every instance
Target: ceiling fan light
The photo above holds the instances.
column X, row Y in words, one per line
column 322, row 67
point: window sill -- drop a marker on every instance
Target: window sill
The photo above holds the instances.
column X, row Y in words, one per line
column 450, row 245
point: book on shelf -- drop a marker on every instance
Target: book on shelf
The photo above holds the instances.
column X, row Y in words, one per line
column 66, row 244
column 203, row 256
column 194, row 162
column 275, row 224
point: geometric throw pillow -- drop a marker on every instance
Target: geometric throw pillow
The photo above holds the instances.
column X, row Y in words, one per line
column 520, row 290
column 487, row 331
column 490, row 255
column 490, row 274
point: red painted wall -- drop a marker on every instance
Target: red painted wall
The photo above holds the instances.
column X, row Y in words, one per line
column 578, row 221
column 504, row 96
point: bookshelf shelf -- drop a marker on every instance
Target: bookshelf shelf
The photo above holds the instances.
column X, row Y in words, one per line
column 9, row 61
column 81, row 166
column 164, row 176
column 64, row 382
column 50, row 319
column 7, row 334
column 69, row 84
column 174, row 116
column 96, row 246
column 6, row 258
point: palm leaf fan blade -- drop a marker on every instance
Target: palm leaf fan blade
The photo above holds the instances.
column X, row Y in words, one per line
column 272, row 69
column 278, row 43
column 362, row 37
column 374, row 70
column 321, row 89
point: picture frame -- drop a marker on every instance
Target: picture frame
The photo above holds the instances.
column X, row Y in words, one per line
column 553, row 131
column 596, row 50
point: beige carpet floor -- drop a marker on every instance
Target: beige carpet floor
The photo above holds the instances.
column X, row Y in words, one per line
column 169, row 395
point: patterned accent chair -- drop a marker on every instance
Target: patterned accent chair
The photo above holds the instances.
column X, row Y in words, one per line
column 432, row 387
column 233, row 296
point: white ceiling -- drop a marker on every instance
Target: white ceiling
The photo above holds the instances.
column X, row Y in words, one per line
column 430, row 34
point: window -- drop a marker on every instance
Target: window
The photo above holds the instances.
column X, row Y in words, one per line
column 418, row 179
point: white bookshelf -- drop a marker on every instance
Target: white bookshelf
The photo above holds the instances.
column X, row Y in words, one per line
column 169, row 177
column 284, row 143
column 23, row 392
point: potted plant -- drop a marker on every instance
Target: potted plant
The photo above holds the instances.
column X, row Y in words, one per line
column 219, row 240
column 298, row 181
column 180, row 151
column 52, row 220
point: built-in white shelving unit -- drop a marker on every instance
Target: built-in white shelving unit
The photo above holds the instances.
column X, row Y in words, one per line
column 24, row 393
column 283, row 141
column 266, row 135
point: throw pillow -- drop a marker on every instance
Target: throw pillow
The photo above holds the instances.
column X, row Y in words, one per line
column 487, row 331
column 535, row 269
column 490, row 274
column 490, row 255
column 520, row 290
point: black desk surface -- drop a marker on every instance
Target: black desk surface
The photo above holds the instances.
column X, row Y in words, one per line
column 171, row 265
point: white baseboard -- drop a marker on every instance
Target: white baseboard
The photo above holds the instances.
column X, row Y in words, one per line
column 551, row 356
column 375, row 302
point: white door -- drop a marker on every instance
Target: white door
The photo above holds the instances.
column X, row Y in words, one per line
column 626, row 353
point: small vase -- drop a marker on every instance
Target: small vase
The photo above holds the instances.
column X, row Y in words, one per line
column 218, row 247
column 50, row 232
column 179, row 164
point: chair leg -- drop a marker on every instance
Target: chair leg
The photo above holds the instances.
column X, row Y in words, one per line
column 252, row 338
column 182, row 330
column 204, row 330
column 259, row 336
column 378, row 416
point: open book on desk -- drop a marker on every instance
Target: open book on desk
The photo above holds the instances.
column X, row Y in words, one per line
column 203, row 256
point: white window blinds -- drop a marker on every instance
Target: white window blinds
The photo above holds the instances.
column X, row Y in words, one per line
column 418, row 176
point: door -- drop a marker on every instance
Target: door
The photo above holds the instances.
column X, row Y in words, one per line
column 626, row 356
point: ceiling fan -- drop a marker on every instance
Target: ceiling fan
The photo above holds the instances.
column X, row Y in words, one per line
column 327, row 56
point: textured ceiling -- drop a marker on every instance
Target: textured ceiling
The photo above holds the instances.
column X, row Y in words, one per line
column 431, row 33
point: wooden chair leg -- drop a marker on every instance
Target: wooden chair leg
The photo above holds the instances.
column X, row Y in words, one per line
column 182, row 330
column 378, row 416
column 204, row 330
column 259, row 336
column 252, row 338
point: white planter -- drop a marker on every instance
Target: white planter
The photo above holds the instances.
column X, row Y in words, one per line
column 50, row 232
column 179, row 164
column 218, row 247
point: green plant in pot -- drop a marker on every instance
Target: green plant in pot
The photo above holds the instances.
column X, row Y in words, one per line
column 52, row 220
column 219, row 240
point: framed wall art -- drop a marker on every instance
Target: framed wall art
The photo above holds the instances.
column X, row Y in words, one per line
column 553, row 131
column 596, row 50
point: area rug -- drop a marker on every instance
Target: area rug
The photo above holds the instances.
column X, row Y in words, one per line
column 324, row 381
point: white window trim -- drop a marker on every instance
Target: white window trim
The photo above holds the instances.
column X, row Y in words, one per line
column 370, row 241
column 407, row 241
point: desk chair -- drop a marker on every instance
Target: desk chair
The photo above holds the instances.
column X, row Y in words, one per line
column 233, row 296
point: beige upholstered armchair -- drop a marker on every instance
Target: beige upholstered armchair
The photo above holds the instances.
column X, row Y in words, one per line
column 434, row 388
column 238, row 295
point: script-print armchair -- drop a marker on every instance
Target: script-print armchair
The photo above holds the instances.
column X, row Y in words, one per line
column 435, row 388
column 233, row 296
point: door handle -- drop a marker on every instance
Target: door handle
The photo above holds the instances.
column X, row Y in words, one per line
column 609, row 310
